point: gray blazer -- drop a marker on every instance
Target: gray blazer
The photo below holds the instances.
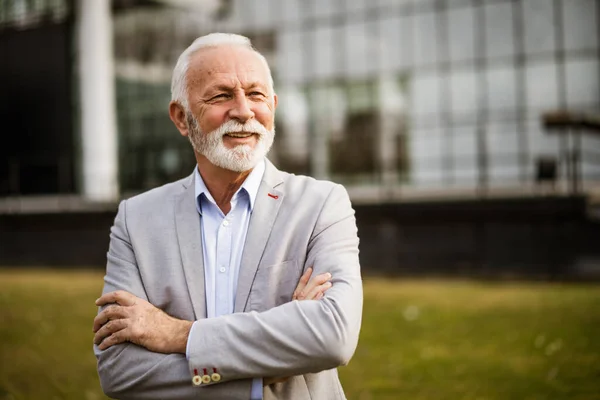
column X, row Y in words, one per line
column 297, row 222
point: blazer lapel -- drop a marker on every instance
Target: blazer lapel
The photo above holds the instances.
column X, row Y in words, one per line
column 267, row 204
column 187, row 222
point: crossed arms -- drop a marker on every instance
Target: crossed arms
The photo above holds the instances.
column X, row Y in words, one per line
column 294, row 338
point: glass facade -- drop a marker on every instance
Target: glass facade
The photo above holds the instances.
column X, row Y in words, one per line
column 27, row 14
column 380, row 94
column 38, row 153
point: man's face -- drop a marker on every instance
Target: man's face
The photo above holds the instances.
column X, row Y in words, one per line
column 231, row 107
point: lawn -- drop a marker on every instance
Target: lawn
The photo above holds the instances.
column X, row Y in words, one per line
column 420, row 339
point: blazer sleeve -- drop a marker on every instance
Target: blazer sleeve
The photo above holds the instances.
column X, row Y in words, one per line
column 128, row 371
column 300, row 336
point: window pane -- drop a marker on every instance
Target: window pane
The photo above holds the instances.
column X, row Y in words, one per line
column 361, row 96
column 499, row 29
column 464, row 155
column 463, row 89
column 425, row 154
column 293, row 10
column 581, row 24
column 425, row 38
column 395, row 42
column 372, row 37
column 324, row 59
column 391, row 2
column 355, row 5
column 539, row 26
column 238, row 19
column 425, row 94
column 260, row 13
column 291, row 149
column 590, row 167
column 503, row 162
column 542, row 83
column 501, row 88
column 322, row 8
column 541, row 143
column 356, row 46
column 461, row 25
column 583, row 85
column 290, row 57
column 391, row 42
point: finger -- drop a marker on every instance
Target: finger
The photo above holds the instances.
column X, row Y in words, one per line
column 109, row 313
column 318, row 289
column 120, row 297
column 302, row 283
column 319, row 296
column 116, row 338
column 108, row 329
column 314, row 282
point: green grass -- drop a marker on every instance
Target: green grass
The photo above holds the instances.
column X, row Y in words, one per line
column 420, row 339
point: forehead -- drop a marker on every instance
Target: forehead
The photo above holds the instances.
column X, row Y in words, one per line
column 226, row 65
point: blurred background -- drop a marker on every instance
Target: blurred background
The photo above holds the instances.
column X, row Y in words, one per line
column 467, row 133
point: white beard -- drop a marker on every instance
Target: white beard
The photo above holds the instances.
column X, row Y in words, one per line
column 240, row 158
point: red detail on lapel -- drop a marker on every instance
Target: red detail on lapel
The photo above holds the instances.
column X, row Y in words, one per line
column 273, row 196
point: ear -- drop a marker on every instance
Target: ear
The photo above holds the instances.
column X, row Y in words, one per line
column 177, row 114
column 275, row 100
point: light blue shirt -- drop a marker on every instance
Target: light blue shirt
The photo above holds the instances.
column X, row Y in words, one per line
column 223, row 238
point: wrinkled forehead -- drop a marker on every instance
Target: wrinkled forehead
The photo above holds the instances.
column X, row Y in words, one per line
column 228, row 65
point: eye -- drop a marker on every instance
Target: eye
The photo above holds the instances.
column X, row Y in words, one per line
column 220, row 96
column 256, row 94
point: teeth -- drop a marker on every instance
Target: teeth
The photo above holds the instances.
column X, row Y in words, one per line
column 239, row 135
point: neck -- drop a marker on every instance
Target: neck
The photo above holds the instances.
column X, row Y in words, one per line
column 221, row 183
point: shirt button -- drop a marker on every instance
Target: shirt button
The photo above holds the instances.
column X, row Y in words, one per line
column 225, row 223
column 222, row 269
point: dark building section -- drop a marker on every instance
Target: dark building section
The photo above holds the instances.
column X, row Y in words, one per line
column 540, row 238
column 549, row 238
column 355, row 153
column 37, row 155
column 55, row 240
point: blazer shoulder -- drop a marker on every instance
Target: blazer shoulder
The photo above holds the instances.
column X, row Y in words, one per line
column 158, row 197
column 299, row 186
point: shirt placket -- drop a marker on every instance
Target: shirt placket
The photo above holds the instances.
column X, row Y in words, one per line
column 223, row 270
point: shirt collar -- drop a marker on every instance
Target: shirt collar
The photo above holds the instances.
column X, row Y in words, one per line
column 251, row 185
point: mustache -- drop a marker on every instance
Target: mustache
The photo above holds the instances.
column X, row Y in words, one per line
column 251, row 126
column 231, row 126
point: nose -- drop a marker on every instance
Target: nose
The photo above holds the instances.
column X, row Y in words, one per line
column 241, row 111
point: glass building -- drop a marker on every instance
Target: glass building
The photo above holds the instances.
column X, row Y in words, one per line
column 392, row 98
column 388, row 97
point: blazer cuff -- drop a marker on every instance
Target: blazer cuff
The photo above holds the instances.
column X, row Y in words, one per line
column 190, row 339
column 202, row 370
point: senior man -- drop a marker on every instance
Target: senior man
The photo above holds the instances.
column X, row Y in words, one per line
column 239, row 281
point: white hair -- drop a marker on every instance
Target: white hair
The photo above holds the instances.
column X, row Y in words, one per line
column 179, row 89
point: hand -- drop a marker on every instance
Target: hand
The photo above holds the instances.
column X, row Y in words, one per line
column 313, row 289
column 131, row 319
column 307, row 289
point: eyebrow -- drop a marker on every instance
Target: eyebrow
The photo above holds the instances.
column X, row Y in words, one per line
column 220, row 88
column 226, row 88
